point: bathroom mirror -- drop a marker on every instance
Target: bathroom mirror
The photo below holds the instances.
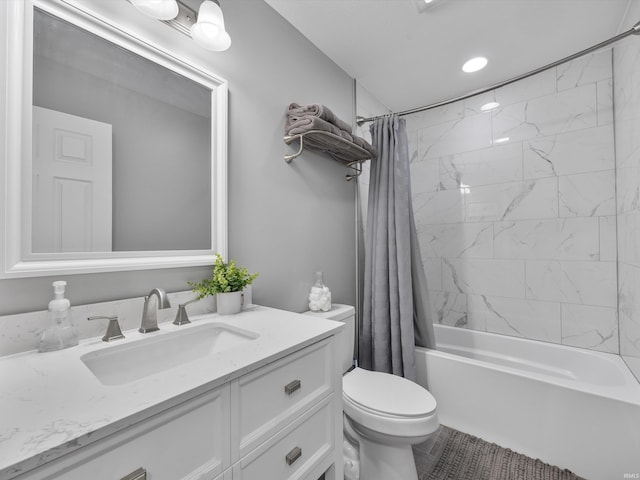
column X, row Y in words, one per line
column 116, row 150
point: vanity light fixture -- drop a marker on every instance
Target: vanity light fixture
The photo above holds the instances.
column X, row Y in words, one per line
column 208, row 31
column 160, row 9
column 475, row 64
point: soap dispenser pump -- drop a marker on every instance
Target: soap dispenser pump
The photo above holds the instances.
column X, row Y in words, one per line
column 60, row 332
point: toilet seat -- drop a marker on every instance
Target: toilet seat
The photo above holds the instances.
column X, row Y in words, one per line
column 387, row 394
column 388, row 404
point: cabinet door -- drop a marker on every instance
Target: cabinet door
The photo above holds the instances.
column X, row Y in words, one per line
column 273, row 396
column 296, row 451
column 188, row 442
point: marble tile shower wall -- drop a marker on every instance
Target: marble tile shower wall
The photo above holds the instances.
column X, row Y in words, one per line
column 627, row 117
column 515, row 207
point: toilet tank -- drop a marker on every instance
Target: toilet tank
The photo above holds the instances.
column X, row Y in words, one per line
column 346, row 337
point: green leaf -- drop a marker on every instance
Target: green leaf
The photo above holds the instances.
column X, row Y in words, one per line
column 224, row 279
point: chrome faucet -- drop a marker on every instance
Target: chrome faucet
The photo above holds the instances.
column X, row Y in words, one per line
column 150, row 313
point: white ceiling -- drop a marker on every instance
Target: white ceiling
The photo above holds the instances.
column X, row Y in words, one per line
column 408, row 59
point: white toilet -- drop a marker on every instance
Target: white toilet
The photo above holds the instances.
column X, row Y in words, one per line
column 384, row 414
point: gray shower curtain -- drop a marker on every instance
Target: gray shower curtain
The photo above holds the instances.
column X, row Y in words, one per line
column 396, row 314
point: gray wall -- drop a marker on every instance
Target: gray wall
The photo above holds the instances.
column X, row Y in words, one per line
column 285, row 221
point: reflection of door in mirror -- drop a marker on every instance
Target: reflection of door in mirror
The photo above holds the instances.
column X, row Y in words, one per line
column 161, row 134
column 71, row 183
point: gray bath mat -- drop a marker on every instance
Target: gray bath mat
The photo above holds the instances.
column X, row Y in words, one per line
column 453, row 455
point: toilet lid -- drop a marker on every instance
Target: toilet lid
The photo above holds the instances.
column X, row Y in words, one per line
column 387, row 394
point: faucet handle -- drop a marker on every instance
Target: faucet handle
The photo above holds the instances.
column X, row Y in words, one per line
column 181, row 317
column 113, row 329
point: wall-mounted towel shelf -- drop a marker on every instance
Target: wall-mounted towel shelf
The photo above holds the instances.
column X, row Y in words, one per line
column 340, row 149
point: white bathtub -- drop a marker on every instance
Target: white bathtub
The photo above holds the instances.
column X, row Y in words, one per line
column 570, row 407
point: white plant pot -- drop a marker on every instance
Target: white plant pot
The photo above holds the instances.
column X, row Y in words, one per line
column 229, row 303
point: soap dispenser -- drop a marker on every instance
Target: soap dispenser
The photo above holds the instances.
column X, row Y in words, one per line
column 60, row 332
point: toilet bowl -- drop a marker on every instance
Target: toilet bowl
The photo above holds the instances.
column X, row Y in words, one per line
column 384, row 414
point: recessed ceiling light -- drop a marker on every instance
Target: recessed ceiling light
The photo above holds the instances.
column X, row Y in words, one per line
column 426, row 5
column 489, row 106
column 475, row 64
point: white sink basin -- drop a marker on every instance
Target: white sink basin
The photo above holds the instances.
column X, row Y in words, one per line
column 120, row 364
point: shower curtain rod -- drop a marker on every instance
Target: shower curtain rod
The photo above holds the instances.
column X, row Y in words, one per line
column 635, row 30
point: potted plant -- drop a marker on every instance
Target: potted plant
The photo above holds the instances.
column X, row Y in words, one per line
column 226, row 283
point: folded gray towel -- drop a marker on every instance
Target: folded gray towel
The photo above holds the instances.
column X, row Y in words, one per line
column 361, row 142
column 318, row 110
column 341, row 152
column 303, row 119
column 305, row 123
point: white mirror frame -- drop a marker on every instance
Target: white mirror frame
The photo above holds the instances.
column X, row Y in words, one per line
column 16, row 258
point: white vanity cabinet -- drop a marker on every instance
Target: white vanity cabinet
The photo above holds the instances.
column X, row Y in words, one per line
column 295, row 452
column 285, row 420
column 280, row 421
column 189, row 441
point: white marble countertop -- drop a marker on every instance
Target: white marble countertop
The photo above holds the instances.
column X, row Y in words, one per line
column 51, row 404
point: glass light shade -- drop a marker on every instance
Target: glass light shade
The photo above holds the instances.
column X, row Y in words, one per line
column 204, row 32
column 208, row 31
column 210, row 12
column 160, row 9
column 218, row 44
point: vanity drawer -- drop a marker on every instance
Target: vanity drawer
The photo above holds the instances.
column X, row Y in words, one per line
column 274, row 395
column 295, row 450
column 188, row 442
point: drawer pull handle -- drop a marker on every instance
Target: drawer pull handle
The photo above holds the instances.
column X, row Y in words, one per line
column 292, row 387
column 139, row 474
column 293, row 455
